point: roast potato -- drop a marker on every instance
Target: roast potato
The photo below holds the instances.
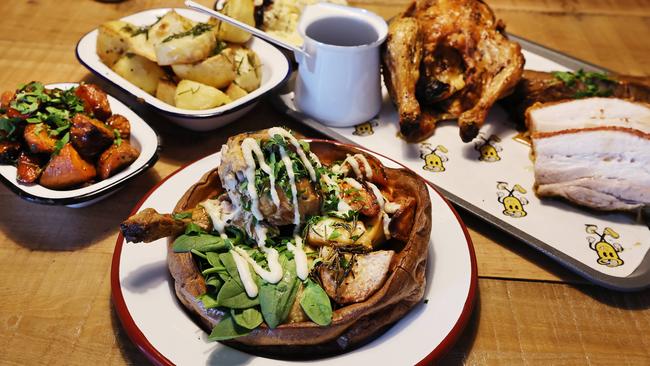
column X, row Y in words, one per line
column 193, row 95
column 66, row 169
column 170, row 23
column 143, row 73
column 187, row 47
column 217, row 71
column 248, row 68
column 113, row 41
column 242, row 10
column 235, row 92
column 166, row 91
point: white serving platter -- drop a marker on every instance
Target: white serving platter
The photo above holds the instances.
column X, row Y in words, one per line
column 483, row 187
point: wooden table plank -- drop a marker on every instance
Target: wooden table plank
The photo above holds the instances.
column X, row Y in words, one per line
column 56, row 261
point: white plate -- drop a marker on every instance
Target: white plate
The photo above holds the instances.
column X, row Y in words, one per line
column 275, row 70
column 142, row 138
column 147, row 306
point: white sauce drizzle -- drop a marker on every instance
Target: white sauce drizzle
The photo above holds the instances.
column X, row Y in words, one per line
column 366, row 165
column 354, row 164
column 315, row 159
column 300, row 257
column 386, row 208
column 250, row 145
column 220, row 213
column 353, row 183
column 244, row 273
column 292, row 182
column 301, row 153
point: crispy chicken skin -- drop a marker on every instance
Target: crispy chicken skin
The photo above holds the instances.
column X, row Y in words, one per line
column 448, row 59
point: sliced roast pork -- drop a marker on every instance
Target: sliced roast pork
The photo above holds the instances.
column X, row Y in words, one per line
column 593, row 152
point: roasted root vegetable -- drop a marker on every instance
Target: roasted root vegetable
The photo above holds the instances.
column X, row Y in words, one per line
column 140, row 71
column 112, row 41
column 95, row 101
column 9, row 151
column 38, row 139
column 120, row 124
column 217, row 71
column 89, row 136
column 28, row 168
column 65, row 169
column 116, row 158
column 55, row 137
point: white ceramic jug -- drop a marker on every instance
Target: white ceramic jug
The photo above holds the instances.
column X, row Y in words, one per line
column 339, row 81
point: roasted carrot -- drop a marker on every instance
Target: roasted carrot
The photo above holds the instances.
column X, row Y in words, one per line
column 28, row 168
column 38, row 139
column 116, row 158
column 95, row 101
column 67, row 169
column 89, row 136
column 120, row 123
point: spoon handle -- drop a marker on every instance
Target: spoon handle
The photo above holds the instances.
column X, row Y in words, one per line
column 261, row 34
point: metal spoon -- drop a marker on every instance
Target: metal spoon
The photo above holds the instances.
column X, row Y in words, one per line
column 261, row 34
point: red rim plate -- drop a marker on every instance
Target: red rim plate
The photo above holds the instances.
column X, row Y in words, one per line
column 143, row 344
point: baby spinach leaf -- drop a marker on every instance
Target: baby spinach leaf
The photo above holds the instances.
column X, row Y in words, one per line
column 227, row 328
column 193, row 229
column 276, row 299
column 316, row 304
column 233, row 295
column 249, row 318
column 209, row 301
column 200, row 242
column 182, row 215
column 215, row 282
column 231, row 267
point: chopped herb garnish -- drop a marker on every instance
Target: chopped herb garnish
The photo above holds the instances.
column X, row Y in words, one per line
column 118, row 137
column 195, row 31
column 588, row 83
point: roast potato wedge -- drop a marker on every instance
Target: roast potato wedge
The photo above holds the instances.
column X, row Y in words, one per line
column 217, row 71
column 242, row 10
column 187, row 47
column 140, row 71
column 166, row 91
column 192, row 95
column 113, row 41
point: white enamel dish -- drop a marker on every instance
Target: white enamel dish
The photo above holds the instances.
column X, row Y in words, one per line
column 142, row 138
column 146, row 304
column 275, row 70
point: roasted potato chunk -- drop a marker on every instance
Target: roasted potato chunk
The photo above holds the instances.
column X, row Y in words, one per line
column 66, row 169
column 170, row 23
column 359, row 199
column 217, row 71
column 143, row 73
column 95, row 101
column 166, row 91
column 38, row 139
column 187, row 47
column 234, row 92
column 116, row 158
column 193, row 95
column 28, row 168
column 121, row 124
column 248, row 68
column 89, row 136
column 369, row 271
column 112, row 40
column 9, row 151
column 242, row 10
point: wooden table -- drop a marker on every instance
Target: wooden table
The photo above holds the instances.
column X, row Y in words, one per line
column 56, row 306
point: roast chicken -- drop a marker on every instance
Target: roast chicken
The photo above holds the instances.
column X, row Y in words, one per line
column 448, row 59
